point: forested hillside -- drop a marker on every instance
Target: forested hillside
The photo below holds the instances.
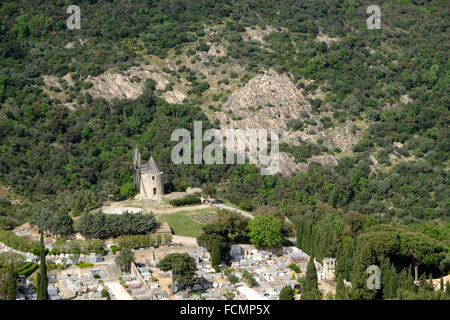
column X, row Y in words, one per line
column 376, row 105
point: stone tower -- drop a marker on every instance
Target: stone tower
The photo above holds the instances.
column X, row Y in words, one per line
column 151, row 185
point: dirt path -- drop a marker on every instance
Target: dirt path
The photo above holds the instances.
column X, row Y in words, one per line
column 119, row 292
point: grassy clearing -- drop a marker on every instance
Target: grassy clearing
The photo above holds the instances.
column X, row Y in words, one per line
column 182, row 224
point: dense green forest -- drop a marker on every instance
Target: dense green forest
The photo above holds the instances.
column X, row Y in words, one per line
column 393, row 83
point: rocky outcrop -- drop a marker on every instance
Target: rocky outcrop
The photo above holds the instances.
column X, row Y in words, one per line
column 343, row 138
column 174, row 96
column 257, row 34
column 124, row 85
column 268, row 101
column 120, row 85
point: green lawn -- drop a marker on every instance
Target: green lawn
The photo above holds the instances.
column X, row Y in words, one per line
column 181, row 224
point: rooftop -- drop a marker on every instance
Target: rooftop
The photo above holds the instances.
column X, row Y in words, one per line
column 150, row 167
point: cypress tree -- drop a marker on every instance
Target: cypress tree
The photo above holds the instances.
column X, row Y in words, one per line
column 42, row 293
column 340, row 288
column 11, row 282
column 386, row 284
column 441, row 284
column 310, row 289
column 394, row 282
column 363, row 259
column 215, row 255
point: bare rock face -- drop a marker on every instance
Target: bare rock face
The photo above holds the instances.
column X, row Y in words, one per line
column 326, row 38
column 258, row 34
column 117, row 85
column 288, row 165
column 325, row 160
column 128, row 84
column 340, row 137
column 374, row 165
column 174, row 96
column 268, row 101
column 217, row 50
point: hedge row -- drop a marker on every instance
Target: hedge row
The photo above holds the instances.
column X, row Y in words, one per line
column 77, row 246
column 145, row 240
column 27, row 269
column 185, row 201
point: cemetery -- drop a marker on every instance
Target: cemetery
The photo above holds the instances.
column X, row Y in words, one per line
column 270, row 271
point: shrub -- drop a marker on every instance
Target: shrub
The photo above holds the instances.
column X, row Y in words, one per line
column 141, row 241
column 249, row 278
column 105, row 294
column 78, row 246
column 229, row 273
column 246, row 205
column 85, row 264
column 294, row 267
column 295, row 124
column 188, row 200
column 287, row 293
column 114, row 248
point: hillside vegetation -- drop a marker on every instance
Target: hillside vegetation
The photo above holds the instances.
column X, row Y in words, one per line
column 363, row 115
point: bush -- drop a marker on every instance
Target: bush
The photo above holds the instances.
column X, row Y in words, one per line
column 246, row 205
column 287, row 293
column 141, row 241
column 229, row 273
column 78, row 246
column 295, row 124
column 85, row 265
column 188, row 200
column 105, row 294
column 294, row 268
column 249, row 278
column 114, row 248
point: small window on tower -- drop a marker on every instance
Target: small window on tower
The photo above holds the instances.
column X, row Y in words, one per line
column 153, row 177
